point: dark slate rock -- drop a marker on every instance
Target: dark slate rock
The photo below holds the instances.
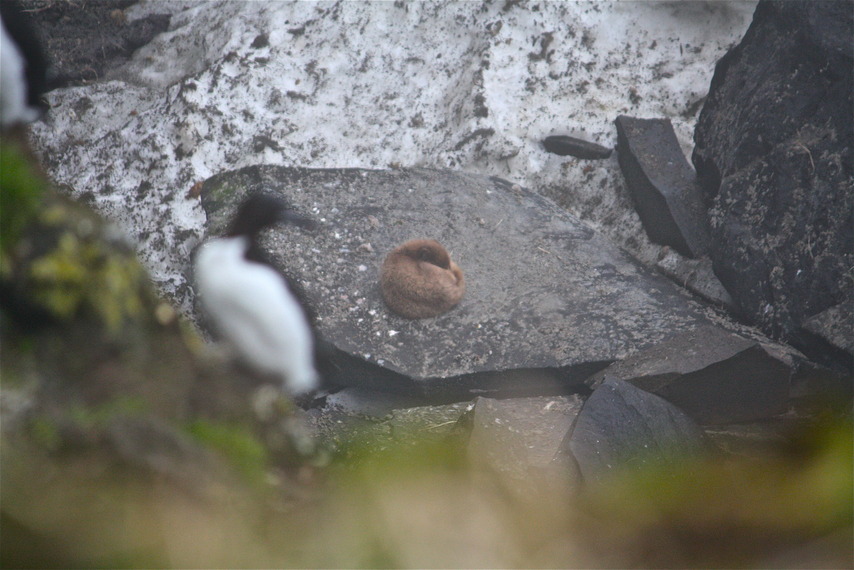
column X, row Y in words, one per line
column 662, row 184
column 716, row 377
column 78, row 55
column 835, row 326
column 519, row 438
column 621, row 427
column 773, row 155
column 564, row 145
column 548, row 300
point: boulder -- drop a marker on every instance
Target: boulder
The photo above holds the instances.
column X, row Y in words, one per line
column 662, row 184
column 548, row 300
column 519, row 438
column 622, row 427
column 773, row 156
column 715, row 376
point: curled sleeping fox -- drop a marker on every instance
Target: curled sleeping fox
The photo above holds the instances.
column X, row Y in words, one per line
column 419, row 280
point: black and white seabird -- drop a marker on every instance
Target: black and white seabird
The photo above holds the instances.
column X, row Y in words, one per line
column 250, row 303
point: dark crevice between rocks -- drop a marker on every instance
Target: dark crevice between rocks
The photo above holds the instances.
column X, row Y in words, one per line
column 345, row 370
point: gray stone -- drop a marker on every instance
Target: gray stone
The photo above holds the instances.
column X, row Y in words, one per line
column 773, row 156
column 428, row 423
column 564, row 145
column 696, row 275
column 662, row 184
column 835, row 326
column 713, row 375
column 621, row 427
column 754, row 439
column 519, row 438
column 548, row 301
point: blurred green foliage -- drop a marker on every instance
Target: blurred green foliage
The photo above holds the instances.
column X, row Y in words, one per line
column 82, row 272
column 21, row 189
column 56, row 256
column 237, row 444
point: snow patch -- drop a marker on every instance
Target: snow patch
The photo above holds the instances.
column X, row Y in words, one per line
column 461, row 85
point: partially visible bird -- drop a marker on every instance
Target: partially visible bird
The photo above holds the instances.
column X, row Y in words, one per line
column 23, row 68
column 250, row 303
column 418, row 280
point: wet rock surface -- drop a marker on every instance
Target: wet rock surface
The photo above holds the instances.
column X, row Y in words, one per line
column 662, row 184
column 545, row 293
column 773, row 156
column 623, row 427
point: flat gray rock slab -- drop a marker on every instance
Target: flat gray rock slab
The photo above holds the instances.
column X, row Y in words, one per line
column 548, row 300
column 519, row 438
column 522, row 433
column 345, row 425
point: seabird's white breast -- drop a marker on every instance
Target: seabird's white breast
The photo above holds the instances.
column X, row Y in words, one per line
column 252, row 307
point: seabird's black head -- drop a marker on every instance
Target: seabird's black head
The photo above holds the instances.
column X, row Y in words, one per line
column 260, row 211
